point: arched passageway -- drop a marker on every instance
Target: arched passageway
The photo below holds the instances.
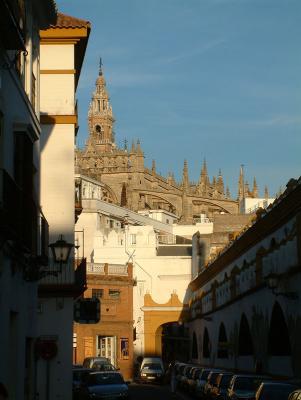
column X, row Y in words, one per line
column 194, row 350
column 245, row 343
column 174, row 342
column 278, row 340
column 222, row 347
column 206, row 344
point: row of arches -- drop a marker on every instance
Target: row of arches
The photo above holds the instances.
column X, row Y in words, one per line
column 278, row 341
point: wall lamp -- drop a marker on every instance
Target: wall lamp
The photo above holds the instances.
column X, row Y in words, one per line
column 273, row 281
column 60, row 251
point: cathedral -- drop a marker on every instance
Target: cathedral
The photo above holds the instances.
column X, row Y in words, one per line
column 131, row 184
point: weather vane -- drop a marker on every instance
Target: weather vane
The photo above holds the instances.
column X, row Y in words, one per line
column 100, row 66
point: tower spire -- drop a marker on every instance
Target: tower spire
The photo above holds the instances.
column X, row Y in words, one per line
column 185, row 180
column 255, row 188
column 100, row 67
column 220, row 183
column 241, row 183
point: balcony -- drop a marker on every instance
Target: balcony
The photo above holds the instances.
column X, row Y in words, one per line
column 10, row 207
column 70, row 282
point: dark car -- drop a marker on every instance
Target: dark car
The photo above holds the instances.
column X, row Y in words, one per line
column 219, row 391
column 104, row 385
column 275, row 390
column 201, row 383
column 211, row 383
column 103, row 366
column 244, row 387
column 151, row 372
column 89, row 361
column 296, row 395
column 78, row 377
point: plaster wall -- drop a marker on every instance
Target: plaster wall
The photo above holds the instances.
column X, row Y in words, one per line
column 57, row 179
column 57, row 94
column 57, row 56
column 280, row 254
column 56, row 321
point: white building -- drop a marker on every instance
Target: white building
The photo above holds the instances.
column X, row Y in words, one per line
column 114, row 235
column 62, row 51
column 245, row 304
column 22, row 233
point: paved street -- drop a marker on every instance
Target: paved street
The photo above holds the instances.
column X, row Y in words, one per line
column 151, row 392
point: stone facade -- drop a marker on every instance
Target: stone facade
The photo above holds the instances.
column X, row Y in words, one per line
column 123, row 170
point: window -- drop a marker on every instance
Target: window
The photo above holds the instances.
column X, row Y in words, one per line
column 98, row 293
column 114, row 293
column 132, row 239
column 111, row 223
column 124, row 348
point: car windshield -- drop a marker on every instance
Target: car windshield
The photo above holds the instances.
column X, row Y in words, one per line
column 104, row 379
column 276, row 392
column 213, row 377
column 204, row 375
column 103, row 367
column 225, row 381
column 152, row 366
column 246, row 383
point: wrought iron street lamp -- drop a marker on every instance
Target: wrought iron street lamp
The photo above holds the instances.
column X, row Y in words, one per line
column 61, row 251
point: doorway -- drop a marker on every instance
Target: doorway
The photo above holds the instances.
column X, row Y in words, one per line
column 106, row 347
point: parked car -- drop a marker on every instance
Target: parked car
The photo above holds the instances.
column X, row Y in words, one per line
column 195, row 374
column 179, row 373
column 89, row 361
column 152, row 372
column 219, row 391
column 244, row 386
column 211, row 383
column 296, row 395
column 275, row 390
column 103, row 366
column 104, row 385
column 78, row 376
column 186, row 375
column 201, row 382
column 155, row 360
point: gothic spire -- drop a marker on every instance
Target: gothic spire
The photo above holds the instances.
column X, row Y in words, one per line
column 100, row 67
column 185, row 180
column 153, row 167
column 228, row 194
column 133, row 149
column 220, row 182
column 241, row 183
column 255, row 188
column 266, row 192
column 138, row 147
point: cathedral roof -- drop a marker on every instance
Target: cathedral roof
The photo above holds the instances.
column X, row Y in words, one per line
column 67, row 21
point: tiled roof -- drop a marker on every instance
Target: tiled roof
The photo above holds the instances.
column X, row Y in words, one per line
column 67, row 21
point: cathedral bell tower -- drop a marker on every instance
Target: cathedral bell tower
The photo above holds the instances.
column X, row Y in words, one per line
column 100, row 116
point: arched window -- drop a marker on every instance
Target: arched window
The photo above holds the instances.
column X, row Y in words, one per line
column 206, row 344
column 98, row 129
column 279, row 341
column 222, row 349
column 245, row 343
column 194, row 353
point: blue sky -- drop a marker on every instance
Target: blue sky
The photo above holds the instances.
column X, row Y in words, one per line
column 219, row 79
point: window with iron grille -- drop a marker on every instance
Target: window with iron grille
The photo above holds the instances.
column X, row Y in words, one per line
column 97, row 293
column 114, row 293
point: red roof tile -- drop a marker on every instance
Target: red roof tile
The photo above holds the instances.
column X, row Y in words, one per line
column 67, row 21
